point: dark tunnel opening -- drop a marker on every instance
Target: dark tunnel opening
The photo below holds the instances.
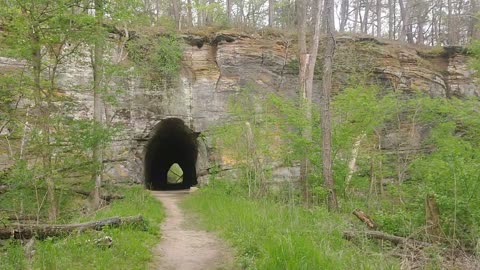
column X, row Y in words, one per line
column 172, row 143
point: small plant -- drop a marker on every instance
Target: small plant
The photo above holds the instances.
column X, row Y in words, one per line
column 157, row 57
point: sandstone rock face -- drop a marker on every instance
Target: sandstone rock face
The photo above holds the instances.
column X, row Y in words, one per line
column 460, row 78
column 215, row 69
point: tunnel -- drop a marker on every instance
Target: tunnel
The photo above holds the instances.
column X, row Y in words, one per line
column 172, row 144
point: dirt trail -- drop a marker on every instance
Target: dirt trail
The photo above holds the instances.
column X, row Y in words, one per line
column 183, row 247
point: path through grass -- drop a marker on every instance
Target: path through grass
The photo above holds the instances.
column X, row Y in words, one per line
column 268, row 235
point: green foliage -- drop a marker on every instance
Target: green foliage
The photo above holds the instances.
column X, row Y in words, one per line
column 276, row 123
column 131, row 248
column 125, row 13
column 78, row 252
column 448, row 168
column 268, row 235
column 11, row 255
column 157, row 57
column 451, row 171
column 474, row 50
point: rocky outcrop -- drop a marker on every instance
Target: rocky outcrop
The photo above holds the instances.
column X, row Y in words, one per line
column 217, row 67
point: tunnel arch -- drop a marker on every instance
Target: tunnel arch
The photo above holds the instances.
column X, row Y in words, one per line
column 171, row 142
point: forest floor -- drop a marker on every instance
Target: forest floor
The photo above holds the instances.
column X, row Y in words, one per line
column 183, row 245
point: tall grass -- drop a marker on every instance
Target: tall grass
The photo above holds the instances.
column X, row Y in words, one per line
column 131, row 248
column 268, row 235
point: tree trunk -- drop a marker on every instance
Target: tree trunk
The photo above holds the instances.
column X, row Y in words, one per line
column 44, row 121
column 209, row 15
column 306, row 74
column 352, row 164
column 365, row 17
column 326, row 121
column 229, row 10
column 432, row 217
column 379, row 18
column 271, row 8
column 473, row 32
column 364, row 218
column 24, row 231
column 450, row 29
column 357, row 14
column 97, row 99
column 397, row 240
column 433, row 26
column 344, row 14
column 420, row 36
column 176, row 13
column 189, row 14
column 405, row 33
column 391, row 19
column 302, row 76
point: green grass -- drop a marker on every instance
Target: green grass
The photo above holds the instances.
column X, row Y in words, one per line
column 131, row 247
column 269, row 235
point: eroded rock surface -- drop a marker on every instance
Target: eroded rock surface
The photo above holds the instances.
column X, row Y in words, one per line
column 217, row 67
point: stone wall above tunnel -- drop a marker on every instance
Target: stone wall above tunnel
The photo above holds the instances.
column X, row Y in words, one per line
column 217, row 69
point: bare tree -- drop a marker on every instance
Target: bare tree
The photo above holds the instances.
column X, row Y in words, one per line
column 406, row 30
column 379, row 17
column 391, row 19
column 450, row 33
column 307, row 69
column 189, row 13
column 472, row 28
column 326, row 121
column 344, row 14
column 176, row 10
column 271, row 8
column 97, row 99
column 229, row 10
column 365, row 17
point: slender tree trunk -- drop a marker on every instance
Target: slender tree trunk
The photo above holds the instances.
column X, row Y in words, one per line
column 306, row 73
column 176, row 13
column 344, row 14
column 433, row 26
column 97, row 99
column 189, row 14
column 229, row 10
column 420, row 36
column 365, row 17
column 357, row 14
column 241, row 13
column 391, row 19
column 326, row 121
column 450, row 33
column 271, row 6
column 157, row 11
column 209, row 15
column 405, row 21
column 379, row 18
column 44, row 114
column 473, row 32
column 303, row 57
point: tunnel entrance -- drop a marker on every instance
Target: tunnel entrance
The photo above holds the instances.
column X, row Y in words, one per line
column 171, row 156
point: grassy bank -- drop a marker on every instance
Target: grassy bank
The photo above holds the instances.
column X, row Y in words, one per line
column 131, row 247
column 268, row 235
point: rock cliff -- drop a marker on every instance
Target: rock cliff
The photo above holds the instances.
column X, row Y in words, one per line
column 216, row 67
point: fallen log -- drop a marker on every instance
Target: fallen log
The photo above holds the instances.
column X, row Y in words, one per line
column 364, row 218
column 26, row 231
column 105, row 197
column 397, row 240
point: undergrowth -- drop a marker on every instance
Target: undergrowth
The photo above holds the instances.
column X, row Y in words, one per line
column 270, row 235
column 131, row 247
